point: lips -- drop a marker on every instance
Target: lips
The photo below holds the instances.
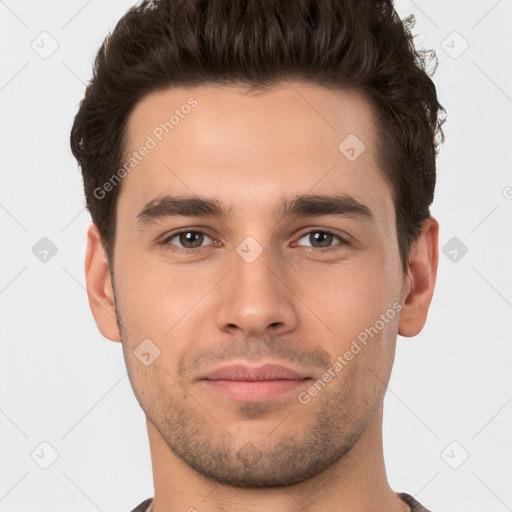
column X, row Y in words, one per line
column 241, row 372
column 254, row 384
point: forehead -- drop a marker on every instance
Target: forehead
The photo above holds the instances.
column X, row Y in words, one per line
column 247, row 148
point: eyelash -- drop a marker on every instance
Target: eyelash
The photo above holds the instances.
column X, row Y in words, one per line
column 170, row 247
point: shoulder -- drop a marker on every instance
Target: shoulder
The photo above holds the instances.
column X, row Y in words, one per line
column 143, row 506
column 415, row 505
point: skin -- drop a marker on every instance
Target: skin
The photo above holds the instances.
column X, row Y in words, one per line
column 293, row 305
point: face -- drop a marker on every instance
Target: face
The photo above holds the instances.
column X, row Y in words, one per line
column 258, row 259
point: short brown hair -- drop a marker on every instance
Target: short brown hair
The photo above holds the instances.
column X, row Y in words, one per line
column 360, row 45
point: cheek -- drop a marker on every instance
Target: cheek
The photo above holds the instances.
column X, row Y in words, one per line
column 154, row 296
column 154, row 384
column 358, row 303
column 350, row 294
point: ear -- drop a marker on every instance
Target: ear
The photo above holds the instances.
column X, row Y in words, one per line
column 99, row 286
column 420, row 280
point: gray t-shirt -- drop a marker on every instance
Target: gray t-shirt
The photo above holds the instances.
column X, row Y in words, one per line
column 415, row 506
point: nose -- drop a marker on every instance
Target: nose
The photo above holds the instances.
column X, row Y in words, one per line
column 255, row 299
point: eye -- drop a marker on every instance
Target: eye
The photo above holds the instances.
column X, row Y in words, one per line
column 320, row 239
column 188, row 239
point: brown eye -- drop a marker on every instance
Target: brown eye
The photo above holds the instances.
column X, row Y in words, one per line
column 320, row 239
column 187, row 239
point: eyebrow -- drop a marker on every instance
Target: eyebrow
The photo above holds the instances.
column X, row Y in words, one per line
column 309, row 205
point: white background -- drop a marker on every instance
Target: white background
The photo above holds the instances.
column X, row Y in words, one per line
column 62, row 383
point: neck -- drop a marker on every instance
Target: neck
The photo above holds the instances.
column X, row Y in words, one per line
column 356, row 482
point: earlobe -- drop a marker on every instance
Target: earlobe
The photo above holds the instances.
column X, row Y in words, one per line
column 99, row 286
column 420, row 280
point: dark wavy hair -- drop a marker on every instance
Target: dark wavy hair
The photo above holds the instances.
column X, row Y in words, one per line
column 359, row 45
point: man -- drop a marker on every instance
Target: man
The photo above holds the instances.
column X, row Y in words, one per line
column 259, row 176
